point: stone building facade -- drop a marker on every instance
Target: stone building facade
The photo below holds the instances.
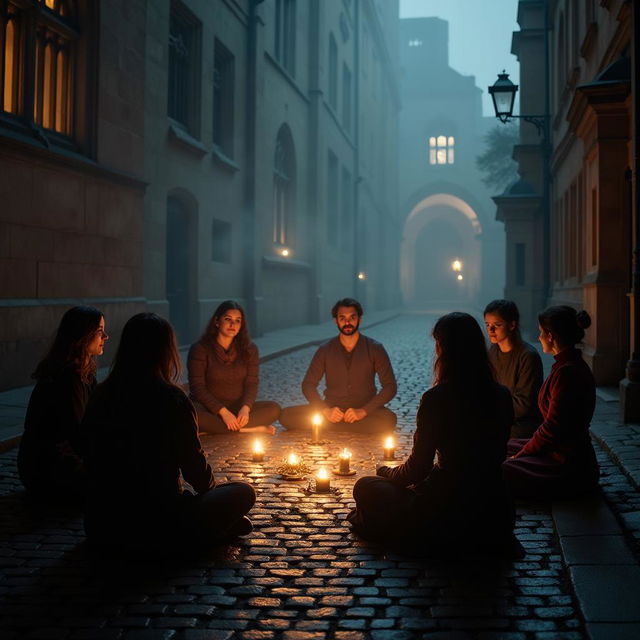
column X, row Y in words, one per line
column 195, row 150
column 446, row 208
column 577, row 242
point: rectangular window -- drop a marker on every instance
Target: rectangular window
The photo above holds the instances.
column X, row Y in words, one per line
column 220, row 241
column 333, row 72
column 520, row 264
column 333, row 232
column 346, row 219
column 223, row 89
column 39, row 44
column 346, row 97
column 184, row 68
column 285, row 35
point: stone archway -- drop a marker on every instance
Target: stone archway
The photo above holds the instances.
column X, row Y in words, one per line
column 438, row 230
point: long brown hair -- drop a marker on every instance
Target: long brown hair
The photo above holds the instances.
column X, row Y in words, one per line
column 461, row 354
column 242, row 341
column 147, row 352
column 70, row 344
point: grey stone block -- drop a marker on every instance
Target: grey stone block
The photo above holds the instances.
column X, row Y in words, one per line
column 589, row 515
column 591, row 550
column 608, row 593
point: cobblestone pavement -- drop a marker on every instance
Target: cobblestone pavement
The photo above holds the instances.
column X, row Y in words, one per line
column 301, row 575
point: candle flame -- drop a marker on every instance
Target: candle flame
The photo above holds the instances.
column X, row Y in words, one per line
column 345, row 453
column 293, row 458
column 323, row 473
column 389, row 443
column 257, row 447
column 317, row 419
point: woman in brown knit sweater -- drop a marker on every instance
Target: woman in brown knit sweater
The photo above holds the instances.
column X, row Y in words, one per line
column 223, row 376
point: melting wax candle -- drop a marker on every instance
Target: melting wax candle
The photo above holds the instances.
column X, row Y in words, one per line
column 323, row 482
column 258, row 451
column 389, row 448
column 345, row 461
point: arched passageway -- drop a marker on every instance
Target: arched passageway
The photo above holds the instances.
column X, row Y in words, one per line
column 440, row 229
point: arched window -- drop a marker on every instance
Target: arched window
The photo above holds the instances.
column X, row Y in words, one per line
column 38, row 62
column 442, row 149
column 284, row 178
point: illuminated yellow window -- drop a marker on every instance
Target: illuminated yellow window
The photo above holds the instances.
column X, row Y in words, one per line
column 40, row 92
column 441, row 150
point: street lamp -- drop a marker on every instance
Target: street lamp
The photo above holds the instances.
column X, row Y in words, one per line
column 456, row 265
column 503, row 92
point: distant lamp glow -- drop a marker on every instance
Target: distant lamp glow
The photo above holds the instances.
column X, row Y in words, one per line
column 362, row 275
column 284, row 252
column 456, row 265
column 460, row 277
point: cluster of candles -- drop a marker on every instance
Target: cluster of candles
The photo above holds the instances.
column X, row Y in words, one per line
column 323, row 480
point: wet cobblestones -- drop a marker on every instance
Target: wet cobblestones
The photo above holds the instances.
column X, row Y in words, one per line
column 301, row 575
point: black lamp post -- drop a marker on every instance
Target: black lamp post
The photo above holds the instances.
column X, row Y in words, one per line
column 503, row 92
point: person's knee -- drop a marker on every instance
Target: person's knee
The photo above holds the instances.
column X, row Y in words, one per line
column 244, row 494
column 363, row 486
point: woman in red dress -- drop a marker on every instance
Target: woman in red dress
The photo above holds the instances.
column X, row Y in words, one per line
column 558, row 461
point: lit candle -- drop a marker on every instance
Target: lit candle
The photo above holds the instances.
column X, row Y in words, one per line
column 389, row 449
column 258, row 451
column 293, row 459
column 345, row 460
column 316, row 421
column 323, row 483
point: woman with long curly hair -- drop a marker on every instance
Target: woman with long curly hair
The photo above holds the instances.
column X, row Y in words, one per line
column 558, row 461
column 142, row 441
column 451, row 483
column 49, row 458
column 223, row 376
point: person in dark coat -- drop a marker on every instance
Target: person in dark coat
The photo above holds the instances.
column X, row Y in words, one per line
column 558, row 461
column 142, row 446
column 223, row 376
column 50, row 456
column 449, row 493
column 516, row 363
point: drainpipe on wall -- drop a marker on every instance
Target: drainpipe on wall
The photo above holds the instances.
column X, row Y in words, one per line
column 630, row 386
column 251, row 263
column 358, row 285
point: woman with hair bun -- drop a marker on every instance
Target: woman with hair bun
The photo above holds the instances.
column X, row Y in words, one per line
column 558, row 461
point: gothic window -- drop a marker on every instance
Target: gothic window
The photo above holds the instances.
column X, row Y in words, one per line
column 333, row 72
column 285, row 35
column 39, row 74
column 346, row 97
column 333, row 214
column 441, row 150
column 283, row 188
column 223, row 89
column 184, row 67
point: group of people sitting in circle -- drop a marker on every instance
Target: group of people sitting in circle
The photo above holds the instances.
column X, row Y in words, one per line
column 487, row 431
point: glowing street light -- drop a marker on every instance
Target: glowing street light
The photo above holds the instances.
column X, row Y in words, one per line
column 460, row 277
column 456, row 265
column 284, row 252
column 362, row 275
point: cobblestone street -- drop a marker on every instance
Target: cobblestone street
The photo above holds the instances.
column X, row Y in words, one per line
column 301, row 575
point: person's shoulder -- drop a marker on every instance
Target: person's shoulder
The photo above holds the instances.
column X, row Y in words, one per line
column 331, row 343
column 252, row 350
column 529, row 351
column 373, row 343
column 199, row 348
